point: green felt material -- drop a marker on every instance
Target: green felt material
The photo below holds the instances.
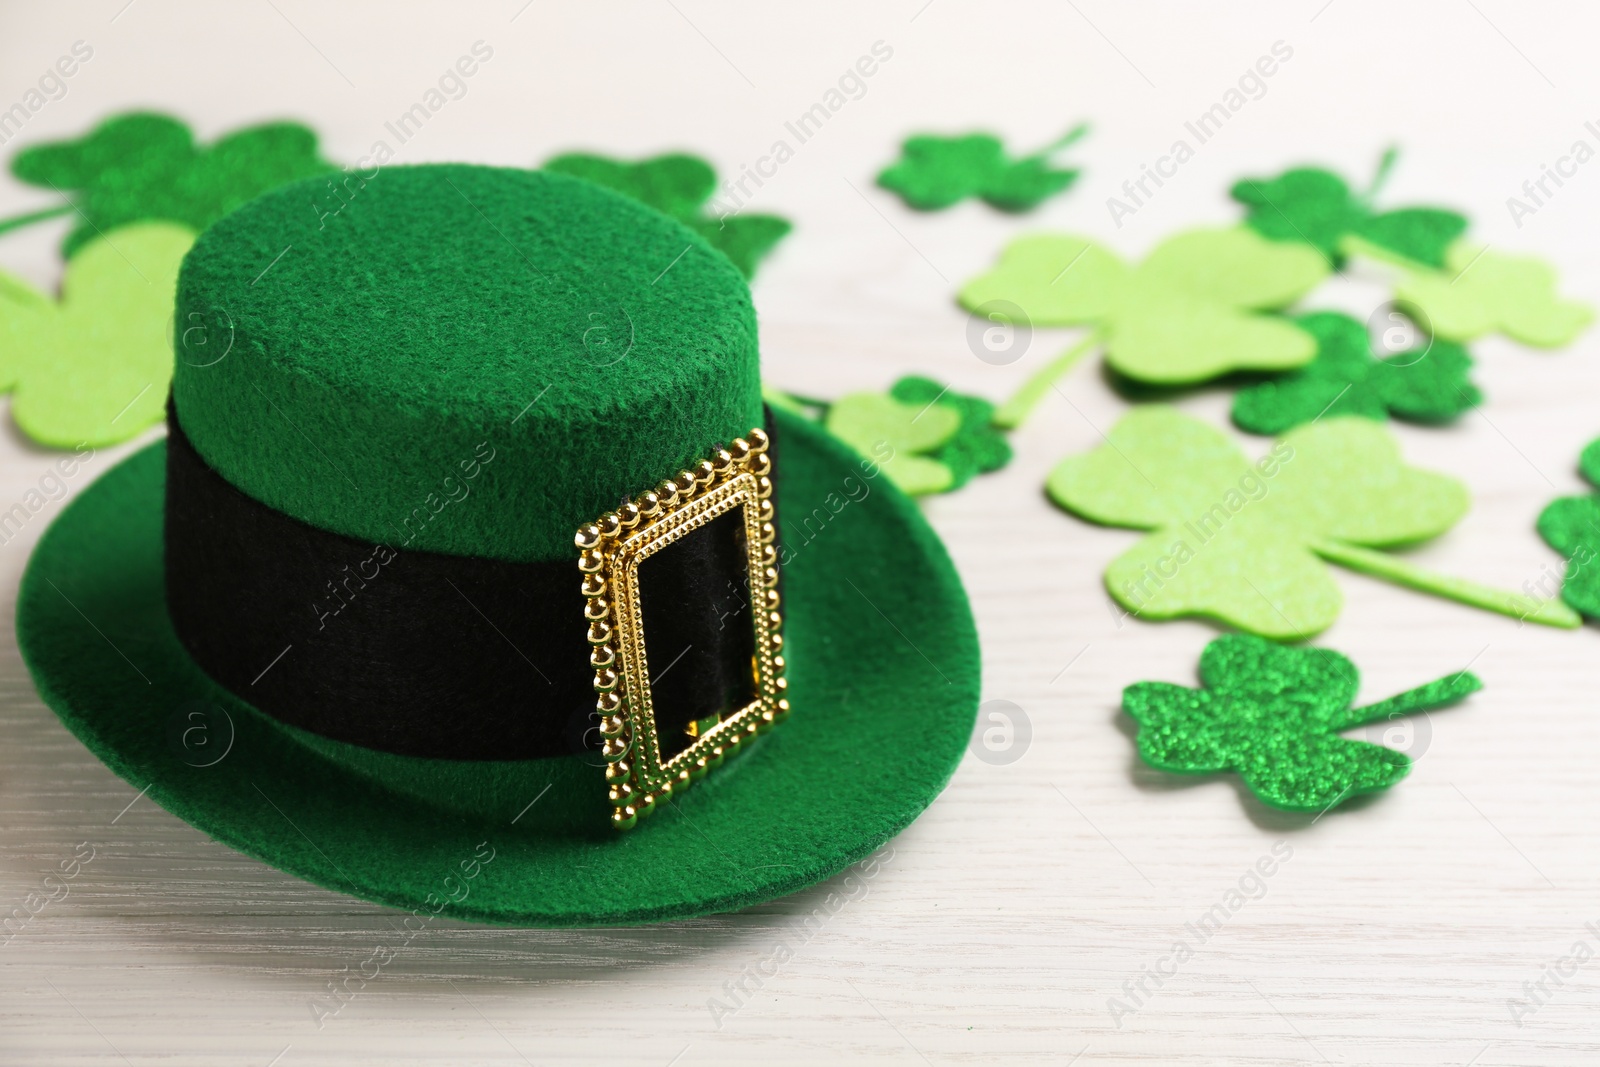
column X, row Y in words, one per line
column 976, row 447
column 141, row 166
column 1189, row 312
column 900, row 437
column 678, row 186
column 1427, row 385
column 884, row 679
column 1239, row 541
column 1479, row 291
column 936, row 172
column 1571, row 526
column 1316, row 207
column 1273, row 715
column 93, row 368
column 1011, row 414
column 594, row 345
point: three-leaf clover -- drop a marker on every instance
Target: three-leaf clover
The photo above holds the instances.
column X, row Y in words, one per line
column 678, row 185
column 935, row 172
column 976, row 447
column 94, row 367
column 925, row 436
column 1316, row 207
column 1480, row 292
column 1187, row 313
column 901, row 438
column 1427, row 384
column 1571, row 526
column 141, row 166
column 1244, row 542
column 1273, row 715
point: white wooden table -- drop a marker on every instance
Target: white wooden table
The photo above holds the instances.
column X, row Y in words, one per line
column 1018, row 906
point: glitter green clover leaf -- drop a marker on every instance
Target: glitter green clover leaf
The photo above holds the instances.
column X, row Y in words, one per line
column 1315, row 206
column 1426, row 384
column 935, row 172
column 1273, row 716
column 681, row 186
column 1571, row 526
column 93, row 365
column 143, row 167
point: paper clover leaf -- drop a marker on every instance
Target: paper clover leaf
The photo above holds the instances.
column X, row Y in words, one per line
column 976, row 447
column 94, row 367
column 1480, row 292
column 900, row 438
column 1427, row 385
column 143, row 166
column 1240, row 541
column 1571, row 526
column 1316, row 207
column 1273, row 715
column 679, row 186
column 1186, row 314
column 934, row 172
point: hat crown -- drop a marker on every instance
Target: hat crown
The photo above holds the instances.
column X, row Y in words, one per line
column 460, row 359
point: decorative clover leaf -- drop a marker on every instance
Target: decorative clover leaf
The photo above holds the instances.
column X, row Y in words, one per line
column 1571, row 526
column 679, row 185
column 1185, row 314
column 1273, row 715
column 1480, row 292
column 901, row 438
column 94, row 367
column 976, row 447
column 142, row 166
column 1239, row 541
column 1427, row 385
column 1315, row 206
column 934, row 172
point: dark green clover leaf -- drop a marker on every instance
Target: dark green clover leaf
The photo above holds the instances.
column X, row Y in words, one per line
column 678, row 186
column 1427, row 385
column 141, row 166
column 1316, row 207
column 1273, row 715
column 933, row 172
column 1571, row 526
column 977, row 447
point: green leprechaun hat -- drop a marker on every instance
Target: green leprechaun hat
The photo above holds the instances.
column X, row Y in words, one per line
column 471, row 543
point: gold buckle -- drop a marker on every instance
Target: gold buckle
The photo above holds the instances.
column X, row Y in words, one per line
column 610, row 552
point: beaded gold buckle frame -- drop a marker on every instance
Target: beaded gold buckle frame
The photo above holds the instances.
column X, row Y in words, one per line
column 610, row 552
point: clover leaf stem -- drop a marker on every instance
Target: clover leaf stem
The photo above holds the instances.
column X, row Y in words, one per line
column 1009, row 416
column 1439, row 693
column 1551, row 612
column 805, row 406
column 16, row 222
column 1381, row 175
column 1070, row 137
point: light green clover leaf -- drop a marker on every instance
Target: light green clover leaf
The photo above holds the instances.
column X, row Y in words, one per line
column 94, row 367
column 1187, row 313
column 1241, row 541
column 977, row 446
column 1480, row 292
column 898, row 437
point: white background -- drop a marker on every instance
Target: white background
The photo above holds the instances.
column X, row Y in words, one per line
column 1019, row 904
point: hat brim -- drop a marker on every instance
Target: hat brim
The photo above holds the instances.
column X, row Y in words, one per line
column 884, row 675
